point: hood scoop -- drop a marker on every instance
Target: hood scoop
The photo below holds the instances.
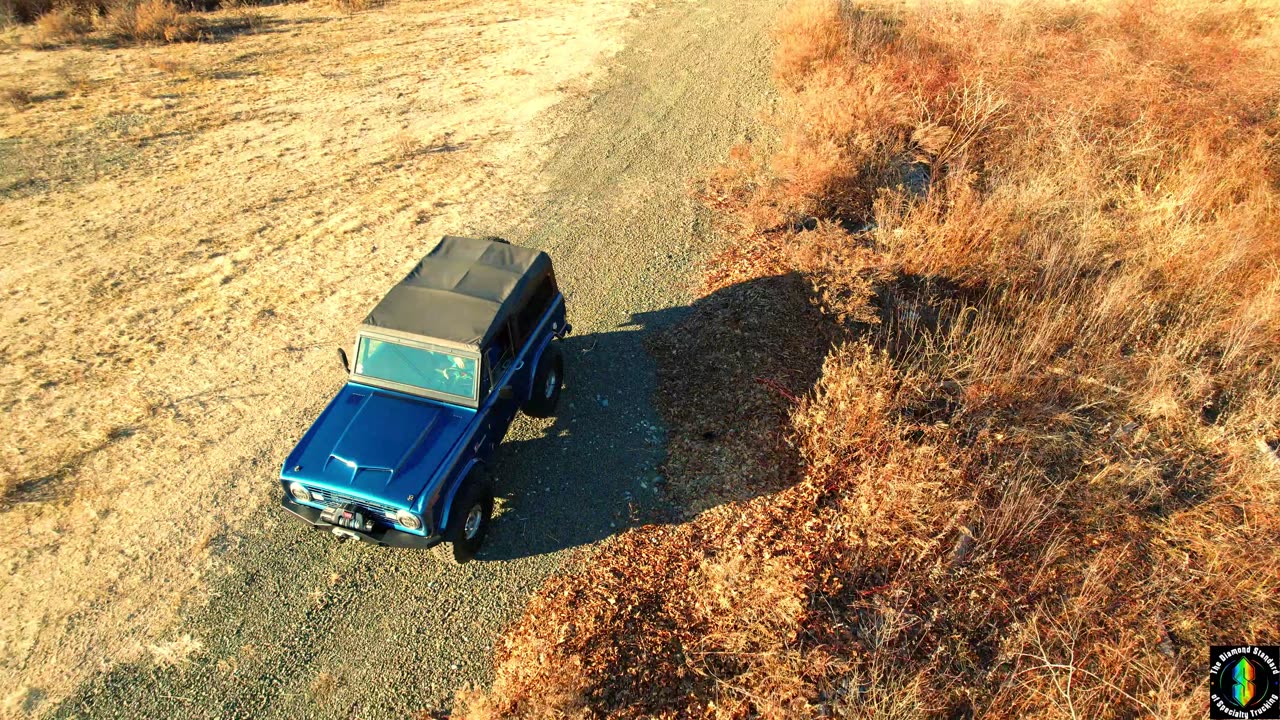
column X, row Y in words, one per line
column 379, row 439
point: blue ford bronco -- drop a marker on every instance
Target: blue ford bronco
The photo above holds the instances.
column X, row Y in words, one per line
column 441, row 365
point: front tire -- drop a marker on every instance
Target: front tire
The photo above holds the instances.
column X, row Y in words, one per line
column 547, row 382
column 469, row 518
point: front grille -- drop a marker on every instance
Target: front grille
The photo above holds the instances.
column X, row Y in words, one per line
column 328, row 497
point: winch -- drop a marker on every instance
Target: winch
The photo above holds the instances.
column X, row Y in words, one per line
column 347, row 516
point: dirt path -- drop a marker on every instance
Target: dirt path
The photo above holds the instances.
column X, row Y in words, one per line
column 229, row 353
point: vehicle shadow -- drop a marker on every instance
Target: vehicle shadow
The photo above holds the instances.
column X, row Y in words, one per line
column 591, row 470
column 736, row 359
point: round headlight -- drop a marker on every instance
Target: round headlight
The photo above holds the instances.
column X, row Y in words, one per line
column 298, row 492
column 408, row 519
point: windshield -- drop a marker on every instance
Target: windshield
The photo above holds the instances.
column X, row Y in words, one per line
column 434, row 370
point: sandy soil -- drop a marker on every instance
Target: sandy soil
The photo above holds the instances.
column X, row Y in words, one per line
column 185, row 234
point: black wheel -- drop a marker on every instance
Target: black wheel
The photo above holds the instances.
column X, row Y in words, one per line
column 469, row 518
column 547, row 381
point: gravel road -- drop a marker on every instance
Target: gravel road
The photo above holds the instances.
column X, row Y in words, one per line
column 303, row 626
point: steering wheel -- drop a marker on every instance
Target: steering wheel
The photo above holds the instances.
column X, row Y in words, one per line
column 455, row 373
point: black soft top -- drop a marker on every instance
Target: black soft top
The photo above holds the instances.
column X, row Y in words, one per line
column 462, row 292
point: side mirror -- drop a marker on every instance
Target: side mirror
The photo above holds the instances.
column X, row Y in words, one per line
column 507, row 393
column 346, row 364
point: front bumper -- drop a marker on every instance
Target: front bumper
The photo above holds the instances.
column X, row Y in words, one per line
column 389, row 537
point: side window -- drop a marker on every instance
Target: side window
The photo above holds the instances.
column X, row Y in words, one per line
column 499, row 354
column 533, row 311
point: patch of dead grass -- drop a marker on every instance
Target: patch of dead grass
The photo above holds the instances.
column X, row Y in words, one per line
column 354, row 6
column 61, row 26
column 16, row 97
column 151, row 21
column 176, row 652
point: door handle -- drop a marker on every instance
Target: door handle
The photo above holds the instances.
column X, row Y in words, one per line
column 519, row 366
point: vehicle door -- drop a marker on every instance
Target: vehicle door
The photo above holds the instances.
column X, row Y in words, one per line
column 530, row 333
column 501, row 365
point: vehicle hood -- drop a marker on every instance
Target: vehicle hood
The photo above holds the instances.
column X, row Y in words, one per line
column 380, row 444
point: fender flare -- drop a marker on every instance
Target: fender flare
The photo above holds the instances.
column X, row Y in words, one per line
column 533, row 369
column 447, row 506
column 535, row 356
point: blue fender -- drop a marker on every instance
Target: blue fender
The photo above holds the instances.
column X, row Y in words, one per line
column 531, row 370
column 459, row 478
column 557, row 312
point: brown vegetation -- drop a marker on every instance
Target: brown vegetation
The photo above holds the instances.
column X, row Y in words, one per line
column 62, row 25
column 58, row 22
column 1040, row 471
column 33, row 10
column 23, row 10
column 16, row 97
column 353, row 6
column 151, row 20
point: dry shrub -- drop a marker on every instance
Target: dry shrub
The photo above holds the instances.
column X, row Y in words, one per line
column 559, row 668
column 405, row 145
column 1039, row 471
column 79, row 13
column 61, row 26
column 16, row 97
column 810, row 37
column 242, row 15
column 24, row 10
column 169, row 66
column 151, row 21
column 354, row 6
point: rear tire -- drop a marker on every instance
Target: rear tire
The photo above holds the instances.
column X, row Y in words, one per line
column 548, row 379
column 469, row 518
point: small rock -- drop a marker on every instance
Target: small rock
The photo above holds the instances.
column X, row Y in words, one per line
column 1270, row 449
column 1125, row 430
column 963, row 546
column 1166, row 647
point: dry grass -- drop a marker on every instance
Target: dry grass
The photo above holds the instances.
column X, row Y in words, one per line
column 354, row 6
column 162, row 345
column 62, row 25
column 16, row 97
column 33, row 10
column 24, row 10
column 177, row 651
column 1039, row 470
column 59, row 22
column 405, row 146
column 151, row 21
